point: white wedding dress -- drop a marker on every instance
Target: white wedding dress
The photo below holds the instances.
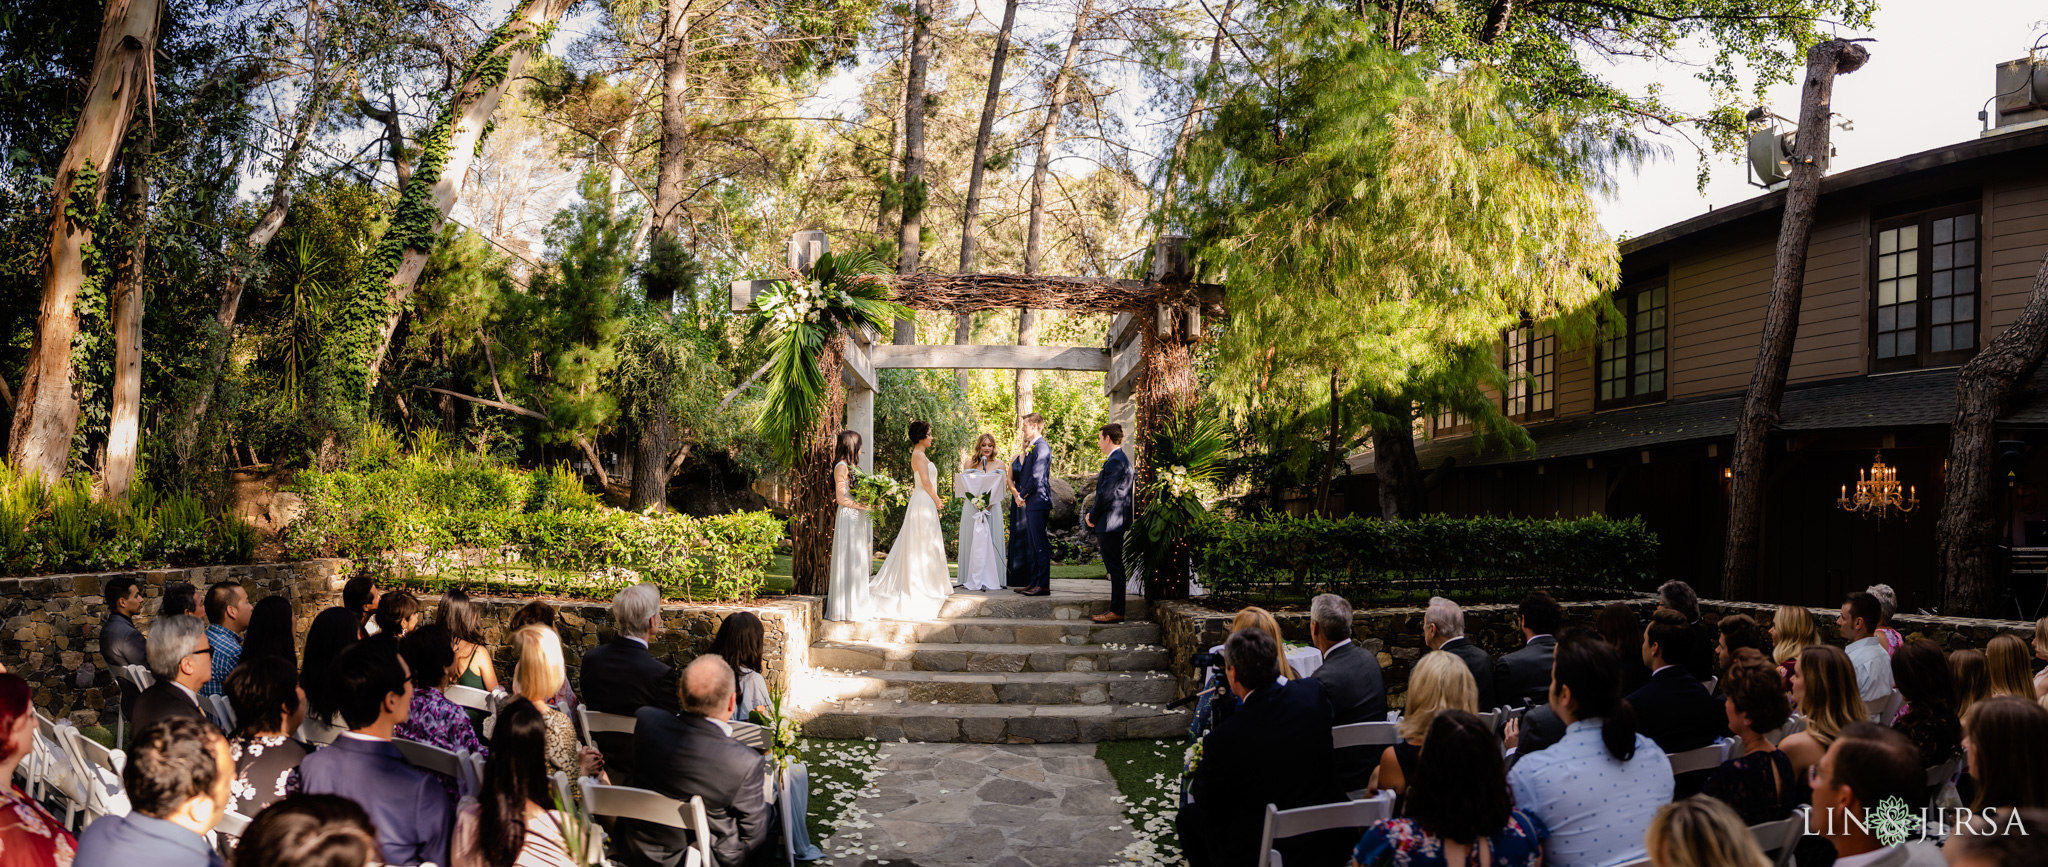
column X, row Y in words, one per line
column 913, row 583
column 982, row 564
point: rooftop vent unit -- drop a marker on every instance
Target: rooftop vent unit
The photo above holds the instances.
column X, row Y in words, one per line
column 1770, row 149
column 2020, row 97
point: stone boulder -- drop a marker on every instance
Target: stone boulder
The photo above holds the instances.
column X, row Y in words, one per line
column 285, row 507
column 1064, row 503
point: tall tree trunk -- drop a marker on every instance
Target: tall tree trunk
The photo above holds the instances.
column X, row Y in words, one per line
column 1404, row 492
column 652, row 433
column 124, row 422
column 1330, row 454
column 1781, row 318
column 378, row 299
column 908, row 243
column 46, row 409
column 1196, row 107
column 1034, row 237
column 1967, row 533
column 963, row 324
column 813, row 498
column 394, row 135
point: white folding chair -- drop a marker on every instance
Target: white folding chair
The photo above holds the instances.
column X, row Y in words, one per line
column 318, row 732
column 470, row 697
column 595, row 721
column 625, row 802
column 1778, row 838
column 453, row 765
column 99, row 776
column 1282, row 824
column 1710, row 683
column 230, row 830
column 752, row 735
column 1944, row 772
column 1365, row 734
column 1884, row 710
column 1490, row 718
column 137, row 677
column 1703, row 759
column 223, row 711
column 58, row 769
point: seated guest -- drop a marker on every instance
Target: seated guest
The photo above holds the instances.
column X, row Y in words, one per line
column 1737, row 631
column 1443, row 628
column 397, row 613
column 181, row 659
column 1439, row 682
column 180, row 597
column 29, row 835
column 538, row 613
column 539, row 673
column 1858, row 622
column 1351, row 679
column 1540, row 727
column 1868, row 765
column 268, row 709
column 1702, row 832
column 739, row 641
column 2007, row 838
column 1216, row 702
column 693, row 754
column 1679, row 596
column 408, row 806
column 177, row 780
column 2006, row 739
column 2040, row 646
column 1971, row 673
column 120, row 642
column 433, row 719
column 1619, row 626
column 1597, row 788
column 1887, row 605
column 227, row 617
column 310, row 831
column 1758, row 782
column 333, row 631
column 2011, row 667
column 1792, row 630
column 512, row 822
column 273, row 631
column 1673, row 709
column 621, row 676
column 361, row 597
column 1275, row 749
column 465, row 624
column 1523, row 677
column 1457, row 797
column 1930, row 720
column 1824, row 691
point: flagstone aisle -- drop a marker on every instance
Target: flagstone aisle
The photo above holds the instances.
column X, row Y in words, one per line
column 934, row 805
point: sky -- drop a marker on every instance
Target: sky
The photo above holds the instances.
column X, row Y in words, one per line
column 1930, row 72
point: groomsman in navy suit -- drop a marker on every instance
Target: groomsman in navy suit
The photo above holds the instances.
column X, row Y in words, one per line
column 1034, row 500
column 1110, row 515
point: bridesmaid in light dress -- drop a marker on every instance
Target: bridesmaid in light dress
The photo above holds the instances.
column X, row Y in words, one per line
column 983, row 562
column 846, row 594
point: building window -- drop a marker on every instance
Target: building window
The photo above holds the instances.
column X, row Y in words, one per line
column 1925, row 301
column 1530, row 357
column 1631, row 364
column 1448, row 423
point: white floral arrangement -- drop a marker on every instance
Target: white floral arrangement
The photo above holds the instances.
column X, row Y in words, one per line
column 1175, row 481
column 802, row 300
column 982, row 502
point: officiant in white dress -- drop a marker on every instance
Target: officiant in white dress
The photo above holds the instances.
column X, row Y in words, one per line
column 983, row 480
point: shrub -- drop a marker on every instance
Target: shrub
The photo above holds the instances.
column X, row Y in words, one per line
column 66, row 528
column 1363, row 558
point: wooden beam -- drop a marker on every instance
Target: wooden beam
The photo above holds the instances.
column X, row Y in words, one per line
column 858, row 367
column 1123, row 363
column 992, row 357
column 1122, row 329
column 745, row 291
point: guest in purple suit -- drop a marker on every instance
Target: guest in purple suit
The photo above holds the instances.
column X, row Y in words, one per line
column 408, row 806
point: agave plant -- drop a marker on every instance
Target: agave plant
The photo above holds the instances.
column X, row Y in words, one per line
column 800, row 316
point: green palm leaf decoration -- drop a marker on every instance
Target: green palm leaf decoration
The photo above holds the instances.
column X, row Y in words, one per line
column 1183, row 456
column 800, row 316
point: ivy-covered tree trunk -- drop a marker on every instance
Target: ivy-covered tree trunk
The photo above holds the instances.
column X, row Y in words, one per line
column 46, row 410
column 124, row 421
column 1034, row 236
column 1404, row 492
column 813, row 502
column 1781, row 318
column 908, row 243
column 381, row 290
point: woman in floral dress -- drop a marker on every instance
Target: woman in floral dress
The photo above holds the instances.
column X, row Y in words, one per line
column 540, row 672
column 269, row 706
column 1459, row 810
column 29, row 835
column 430, row 652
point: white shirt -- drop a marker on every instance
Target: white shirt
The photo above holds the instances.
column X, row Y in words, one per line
column 721, row 724
column 189, row 693
column 1333, row 647
column 1873, row 670
column 363, row 737
column 643, row 641
column 1597, row 808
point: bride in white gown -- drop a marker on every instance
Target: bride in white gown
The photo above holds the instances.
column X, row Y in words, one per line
column 913, row 583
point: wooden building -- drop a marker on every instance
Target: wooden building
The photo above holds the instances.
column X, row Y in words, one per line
column 1914, row 264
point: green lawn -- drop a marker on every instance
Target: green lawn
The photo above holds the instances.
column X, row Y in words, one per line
column 840, row 771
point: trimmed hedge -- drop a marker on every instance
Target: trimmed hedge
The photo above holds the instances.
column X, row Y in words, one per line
column 1368, row 557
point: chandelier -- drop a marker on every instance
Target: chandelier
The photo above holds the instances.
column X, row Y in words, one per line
column 1878, row 492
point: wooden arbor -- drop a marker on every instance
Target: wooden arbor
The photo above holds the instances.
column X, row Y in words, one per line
column 1147, row 361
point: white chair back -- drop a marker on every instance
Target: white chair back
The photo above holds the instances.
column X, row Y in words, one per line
column 1282, row 824
column 318, row 732
column 1365, row 734
column 57, row 770
column 99, row 776
column 1703, row 759
column 1711, row 683
column 1778, row 838
column 625, row 802
column 138, row 674
column 595, row 722
column 470, row 697
column 135, row 676
column 754, row 736
column 454, row 765
column 1884, row 710
column 223, row 712
column 1944, row 772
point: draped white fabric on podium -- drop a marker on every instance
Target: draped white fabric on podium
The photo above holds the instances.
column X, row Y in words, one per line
column 982, row 562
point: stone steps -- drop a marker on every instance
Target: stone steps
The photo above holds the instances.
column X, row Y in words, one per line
column 1027, row 687
column 1059, row 606
column 993, row 630
column 884, row 656
column 994, row 723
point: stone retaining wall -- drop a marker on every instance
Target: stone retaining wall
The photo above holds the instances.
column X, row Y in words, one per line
column 1395, row 634
column 52, row 626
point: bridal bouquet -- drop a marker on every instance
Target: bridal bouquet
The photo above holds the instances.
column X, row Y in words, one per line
column 878, row 490
column 983, row 501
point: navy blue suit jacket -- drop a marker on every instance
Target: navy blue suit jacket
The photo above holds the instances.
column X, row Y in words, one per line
column 1034, row 481
column 1112, row 509
column 1274, row 750
column 408, row 806
column 1674, row 710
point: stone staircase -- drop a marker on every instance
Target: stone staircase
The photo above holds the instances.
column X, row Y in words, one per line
column 995, row 667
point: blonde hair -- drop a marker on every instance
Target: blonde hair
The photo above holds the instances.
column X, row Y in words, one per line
column 1828, row 695
column 1264, row 621
column 1700, row 831
column 540, row 673
column 990, row 440
column 1796, row 632
column 1972, row 675
column 1440, row 681
column 2011, row 673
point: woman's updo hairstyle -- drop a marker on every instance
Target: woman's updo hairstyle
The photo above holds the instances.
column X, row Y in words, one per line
column 919, row 430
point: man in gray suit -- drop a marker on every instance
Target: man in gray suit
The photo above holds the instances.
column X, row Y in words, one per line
column 120, row 642
column 1443, row 628
column 1524, row 675
column 1351, row 680
column 179, row 780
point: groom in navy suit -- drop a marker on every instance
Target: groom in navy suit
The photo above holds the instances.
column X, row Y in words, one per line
column 1034, row 502
column 1110, row 515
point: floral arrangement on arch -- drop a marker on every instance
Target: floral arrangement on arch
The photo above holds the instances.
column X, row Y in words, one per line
column 799, row 316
